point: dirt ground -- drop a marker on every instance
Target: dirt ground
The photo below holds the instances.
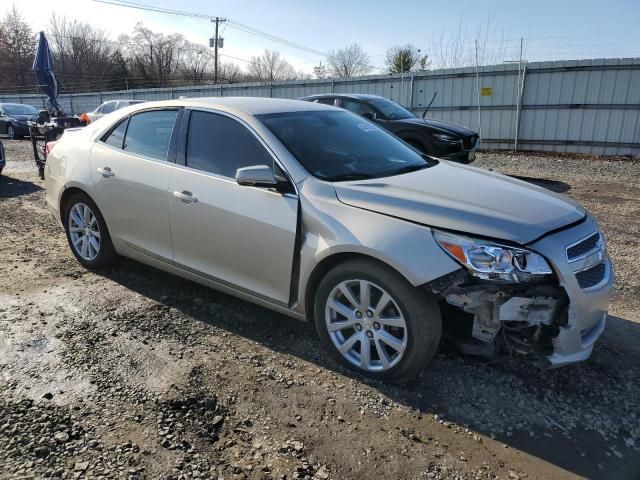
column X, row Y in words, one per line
column 133, row 373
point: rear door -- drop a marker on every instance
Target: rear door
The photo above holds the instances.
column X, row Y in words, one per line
column 240, row 236
column 130, row 170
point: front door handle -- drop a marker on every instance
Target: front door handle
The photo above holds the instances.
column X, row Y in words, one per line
column 185, row 196
column 106, row 172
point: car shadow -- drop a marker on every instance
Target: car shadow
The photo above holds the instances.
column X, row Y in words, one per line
column 554, row 415
column 553, row 185
column 12, row 187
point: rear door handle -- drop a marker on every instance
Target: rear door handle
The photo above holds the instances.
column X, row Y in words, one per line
column 106, row 172
column 185, row 196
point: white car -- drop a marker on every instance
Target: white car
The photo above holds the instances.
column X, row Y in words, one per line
column 110, row 106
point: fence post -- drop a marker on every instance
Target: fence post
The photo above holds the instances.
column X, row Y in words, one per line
column 270, row 89
column 519, row 108
column 71, row 104
column 332, row 85
column 411, row 94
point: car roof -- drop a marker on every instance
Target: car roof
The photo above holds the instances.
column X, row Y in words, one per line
column 359, row 96
column 249, row 105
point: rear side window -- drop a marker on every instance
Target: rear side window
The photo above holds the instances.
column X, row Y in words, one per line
column 149, row 133
column 116, row 136
column 325, row 101
column 218, row 144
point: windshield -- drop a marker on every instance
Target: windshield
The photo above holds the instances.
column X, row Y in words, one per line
column 390, row 109
column 19, row 110
column 335, row 146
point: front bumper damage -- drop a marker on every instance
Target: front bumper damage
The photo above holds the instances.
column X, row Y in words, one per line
column 556, row 322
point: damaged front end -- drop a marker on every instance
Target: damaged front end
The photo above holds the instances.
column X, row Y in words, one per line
column 486, row 319
column 509, row 298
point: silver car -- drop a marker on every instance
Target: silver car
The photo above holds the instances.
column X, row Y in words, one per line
column 320, row 214
column 110, row 106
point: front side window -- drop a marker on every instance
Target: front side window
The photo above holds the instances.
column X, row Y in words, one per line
column 149, row 133
column 391, row 110
column 326, row 101
column 337, row 146
column 218, row 144
column 358, row 108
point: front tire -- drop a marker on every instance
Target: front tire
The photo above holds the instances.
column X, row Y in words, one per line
column 87, row 233
column 373, row 321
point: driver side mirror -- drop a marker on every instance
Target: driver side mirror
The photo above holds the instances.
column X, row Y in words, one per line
column 369, row 115
column 261, row 176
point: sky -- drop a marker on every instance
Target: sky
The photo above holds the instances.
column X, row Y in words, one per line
column 551, row 29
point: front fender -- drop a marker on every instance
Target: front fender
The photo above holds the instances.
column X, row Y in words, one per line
column 332, row 228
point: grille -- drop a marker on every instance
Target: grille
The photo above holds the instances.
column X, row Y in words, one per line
column 585, row 246
column 591, row 276
column 469, row 142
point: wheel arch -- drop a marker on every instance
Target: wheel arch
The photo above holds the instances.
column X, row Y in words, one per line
column 67, row 193
column 325, row 265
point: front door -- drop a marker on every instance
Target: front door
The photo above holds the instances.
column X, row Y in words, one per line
column 131, row 175
column 240, row 236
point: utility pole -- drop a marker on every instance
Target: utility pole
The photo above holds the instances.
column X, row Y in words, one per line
column 215, row 43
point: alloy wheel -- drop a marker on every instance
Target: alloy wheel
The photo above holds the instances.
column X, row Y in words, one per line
column 84, row 231
column 11, row 132
column 366, row 325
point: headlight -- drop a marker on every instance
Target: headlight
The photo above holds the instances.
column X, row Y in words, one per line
column 446, row 138
column 492, row 261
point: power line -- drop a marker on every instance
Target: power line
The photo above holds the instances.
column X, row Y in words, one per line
column 232, row 23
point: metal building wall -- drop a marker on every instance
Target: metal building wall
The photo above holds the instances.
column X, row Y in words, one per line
column 587, row 106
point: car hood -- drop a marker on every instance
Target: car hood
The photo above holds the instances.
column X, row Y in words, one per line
column 438, row 125
column 465, row 199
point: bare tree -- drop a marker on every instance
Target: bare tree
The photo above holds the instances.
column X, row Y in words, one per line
column 153, row 58
column 455, row 49
column 195, row 62
column 230, row 73
column 84, row 56
column 406, row 59
column 351, row 61
column 270, row 66
column 17, row 49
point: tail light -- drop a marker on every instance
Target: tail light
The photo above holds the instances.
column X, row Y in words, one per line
column 48, row 147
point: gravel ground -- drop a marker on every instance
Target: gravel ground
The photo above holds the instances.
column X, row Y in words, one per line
column 133, row 373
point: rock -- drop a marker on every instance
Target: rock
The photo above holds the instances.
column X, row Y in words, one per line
column 321, row 473
column 61, row 437
column 81, row 466
column 217, row 420
column 42, row 452
column 48, row 396
column 514, row 475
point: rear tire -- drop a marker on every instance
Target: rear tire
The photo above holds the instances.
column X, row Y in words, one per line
column 400, row 323
column 87, row 233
